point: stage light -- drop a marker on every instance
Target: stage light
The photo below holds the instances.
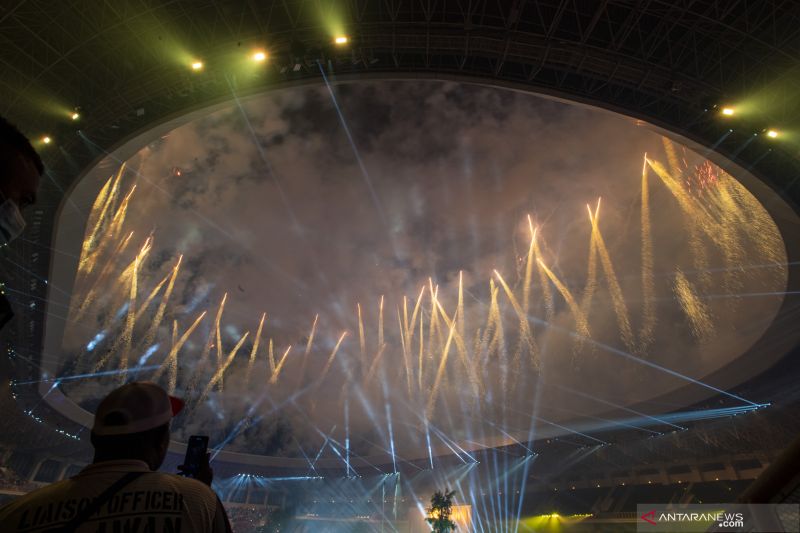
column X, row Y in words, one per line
column 259, row 56
column 46, row 139
column 197, row 65
column 75, row 115
column 728, row 111
column 340, row 40
column 772, row 134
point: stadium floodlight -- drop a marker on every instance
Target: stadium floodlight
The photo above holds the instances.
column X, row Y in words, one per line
column 46, row 139
column 75, row 115
column 772, row 134
column 197, row 65
column 259, row 56
column 341, row 39
column 728, row 111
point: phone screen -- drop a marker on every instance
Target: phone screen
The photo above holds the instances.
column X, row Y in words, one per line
column 195, row 453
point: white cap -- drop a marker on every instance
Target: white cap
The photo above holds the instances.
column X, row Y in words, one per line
column 135, row 407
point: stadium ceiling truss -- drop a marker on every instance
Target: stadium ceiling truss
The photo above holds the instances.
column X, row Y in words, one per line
column 667, row 62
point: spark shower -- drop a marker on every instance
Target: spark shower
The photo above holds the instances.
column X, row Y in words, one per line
column 458, row 365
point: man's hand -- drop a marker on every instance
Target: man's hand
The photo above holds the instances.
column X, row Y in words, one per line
column 205, row 473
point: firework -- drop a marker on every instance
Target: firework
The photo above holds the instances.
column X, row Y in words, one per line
column 221, row 370
column 254, row 351
column 697, row 313
column 444, row 339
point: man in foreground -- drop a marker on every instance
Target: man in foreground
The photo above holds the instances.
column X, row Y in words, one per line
column 121, row 490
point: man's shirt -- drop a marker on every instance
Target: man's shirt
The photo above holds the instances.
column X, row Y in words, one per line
column 153, row 502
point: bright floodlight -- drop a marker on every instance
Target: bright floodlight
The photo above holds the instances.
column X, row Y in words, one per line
column 772, row 134
column 197, row 65
column 46, row 139
column 728, row 111
column 259, row 56
column 75, row 115
column 340, row 40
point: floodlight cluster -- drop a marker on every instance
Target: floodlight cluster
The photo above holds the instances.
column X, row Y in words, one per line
column 728, row 111
column 197, row 65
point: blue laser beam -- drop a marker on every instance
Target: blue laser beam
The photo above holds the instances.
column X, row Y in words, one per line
column 88, row 376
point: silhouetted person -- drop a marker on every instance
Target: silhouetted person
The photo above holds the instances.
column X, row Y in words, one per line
column 20, row 169
column 120, row 490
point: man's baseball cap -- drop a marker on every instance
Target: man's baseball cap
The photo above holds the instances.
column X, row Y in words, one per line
column 135, row 407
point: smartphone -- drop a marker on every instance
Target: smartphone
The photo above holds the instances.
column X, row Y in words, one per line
column 195, row 455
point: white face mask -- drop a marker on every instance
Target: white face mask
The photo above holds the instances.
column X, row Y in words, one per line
column 11, row 222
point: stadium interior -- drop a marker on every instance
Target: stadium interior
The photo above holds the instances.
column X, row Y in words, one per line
column 545, row 253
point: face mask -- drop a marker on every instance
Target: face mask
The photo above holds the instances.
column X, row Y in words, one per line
column 11, row 222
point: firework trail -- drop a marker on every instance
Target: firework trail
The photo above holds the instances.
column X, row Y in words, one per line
column 309, row 343
column 221, row 370
column 404, row 322
column 461, row 348
column 410, row 328
column 581, row 326
column 271, row 355
column 380, row 323
column 374, row 365
column 617, row 298
column 496, row 334
column 81, row 306
column 758, row 226
column 130, row 321
column 218, row 334
column 123, row 342
column 276, row 374
column 440, row 372
column 672, row 158
column 698, row 314
column 114, row 228
column 591, row 273
column 162, row 306
column 421, row 350
column 433, row 325
column 254, row 351
column 98, row 210
column 329, row 362
column 405, row 349
column 203, row 360
column 526, row 341
column 460, row 306
column 732, row 249
column 695, row 221
column 173, row 369
column 171, row 361
column 362, row 340
column 648, row 287
column 118, row 295
column 526, row 284
column 86, row 263
column 150, row 297
column 547, row 293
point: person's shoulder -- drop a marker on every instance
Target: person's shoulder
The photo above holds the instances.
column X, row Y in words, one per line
column 42, row 494
column 184, row 484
